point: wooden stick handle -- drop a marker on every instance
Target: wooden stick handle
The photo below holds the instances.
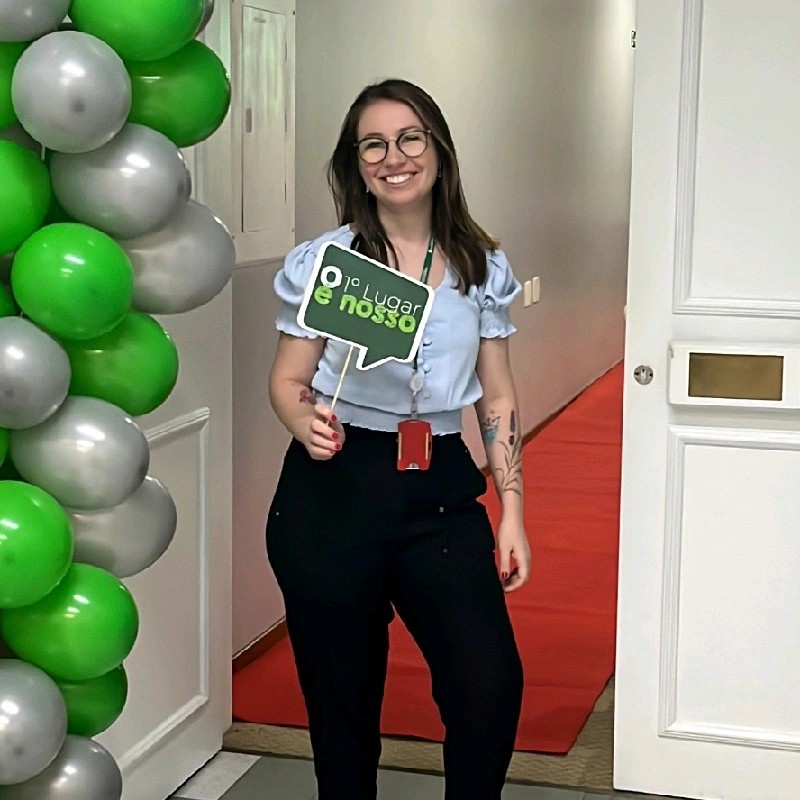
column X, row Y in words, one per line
column 341, row 377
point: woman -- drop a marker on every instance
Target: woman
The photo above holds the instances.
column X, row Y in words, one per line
column 352, row 534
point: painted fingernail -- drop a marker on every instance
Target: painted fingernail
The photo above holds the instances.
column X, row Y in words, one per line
column 334, row 418
column 334, row 436
column 338, row 447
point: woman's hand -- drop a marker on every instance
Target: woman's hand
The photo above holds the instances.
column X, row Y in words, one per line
column 512, row 544
column 323, row 434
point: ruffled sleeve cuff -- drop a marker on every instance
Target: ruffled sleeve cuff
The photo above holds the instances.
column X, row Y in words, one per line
column 290, row 286
column 495, row 297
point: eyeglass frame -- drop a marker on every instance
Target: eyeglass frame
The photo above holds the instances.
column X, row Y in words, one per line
column 428, row 134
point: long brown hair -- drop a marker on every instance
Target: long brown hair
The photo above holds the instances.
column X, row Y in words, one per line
column 461, row 239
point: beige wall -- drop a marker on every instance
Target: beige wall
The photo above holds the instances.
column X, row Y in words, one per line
column 538, row 96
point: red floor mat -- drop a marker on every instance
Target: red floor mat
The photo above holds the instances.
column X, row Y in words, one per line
column 564, row 619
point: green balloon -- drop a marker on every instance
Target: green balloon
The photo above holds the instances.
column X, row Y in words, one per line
column 73, row 281
column 5, row 439
column 83, row 629
column 93, row 706
column 10, row 53
column 35, row 544
column 184, row 96
column 134, row 366
column 25, row 194
column 139, row 30
column 7, row 307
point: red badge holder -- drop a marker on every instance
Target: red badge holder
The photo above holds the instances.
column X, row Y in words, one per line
column 415, row 436
column 414, row 444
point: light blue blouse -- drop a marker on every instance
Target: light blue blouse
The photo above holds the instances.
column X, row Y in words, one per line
column 379, row 398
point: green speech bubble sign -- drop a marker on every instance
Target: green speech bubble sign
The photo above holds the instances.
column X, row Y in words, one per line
column 361, row 302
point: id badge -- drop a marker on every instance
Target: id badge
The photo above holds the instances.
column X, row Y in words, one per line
column 414, row 444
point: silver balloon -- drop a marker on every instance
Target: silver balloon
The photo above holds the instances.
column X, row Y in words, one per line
column 83, row 770
column 89, row 455
column 17, row 134
column 33, row 722
column 87, row 87
column 131, row 186
column 208, row 12
column 129, row 538
column 26, row 20
column 34, row 374
column 182, row 266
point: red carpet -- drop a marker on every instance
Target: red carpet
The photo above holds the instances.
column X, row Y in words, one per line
column 564, row 619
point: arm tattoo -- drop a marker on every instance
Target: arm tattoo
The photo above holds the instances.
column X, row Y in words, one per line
column 489, row 428
column 509, row 474
column 307, row 397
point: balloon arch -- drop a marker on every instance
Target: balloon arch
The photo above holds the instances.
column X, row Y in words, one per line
column 97, row 234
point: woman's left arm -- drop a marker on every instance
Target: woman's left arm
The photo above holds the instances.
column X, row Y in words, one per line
column 498, row 415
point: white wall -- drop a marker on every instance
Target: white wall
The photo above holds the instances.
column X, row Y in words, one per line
column 538, row 97
column 259, row 442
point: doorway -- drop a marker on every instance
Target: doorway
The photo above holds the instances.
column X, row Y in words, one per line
column 541, row 115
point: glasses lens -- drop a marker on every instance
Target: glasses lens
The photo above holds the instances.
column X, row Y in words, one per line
column 413, row 143
column 372, row 150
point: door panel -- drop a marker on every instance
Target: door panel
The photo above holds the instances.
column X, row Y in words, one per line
column 708, row 640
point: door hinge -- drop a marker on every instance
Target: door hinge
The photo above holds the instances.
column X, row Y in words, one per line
column 633, row 38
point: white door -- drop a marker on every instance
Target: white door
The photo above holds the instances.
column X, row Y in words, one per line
column 708, row 681
column 179, row 672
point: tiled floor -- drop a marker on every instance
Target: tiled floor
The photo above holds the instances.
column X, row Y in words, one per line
column 233, row 776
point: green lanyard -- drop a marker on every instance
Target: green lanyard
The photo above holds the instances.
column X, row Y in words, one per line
column 426, row 267
column 416, row 378
column 426, row 271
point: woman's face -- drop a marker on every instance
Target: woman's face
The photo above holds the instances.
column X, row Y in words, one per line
column 401, row 179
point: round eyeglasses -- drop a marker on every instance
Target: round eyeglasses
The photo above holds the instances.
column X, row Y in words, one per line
column 373, row 149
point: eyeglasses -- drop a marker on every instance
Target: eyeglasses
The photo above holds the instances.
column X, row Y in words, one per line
column 374, row 149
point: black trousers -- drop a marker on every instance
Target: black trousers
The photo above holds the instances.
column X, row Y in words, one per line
column 351, row 540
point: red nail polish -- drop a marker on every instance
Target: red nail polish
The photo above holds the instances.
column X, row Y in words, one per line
column 338, row 447
column 334, row 436
column 334, row 418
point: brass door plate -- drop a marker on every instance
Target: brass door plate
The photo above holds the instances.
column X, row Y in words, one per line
column 735, row 376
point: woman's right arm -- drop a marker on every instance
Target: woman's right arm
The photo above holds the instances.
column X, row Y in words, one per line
column 290, row 393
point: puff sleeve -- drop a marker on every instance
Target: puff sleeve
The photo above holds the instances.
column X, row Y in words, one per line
column 495, row 297
column 290, row 286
